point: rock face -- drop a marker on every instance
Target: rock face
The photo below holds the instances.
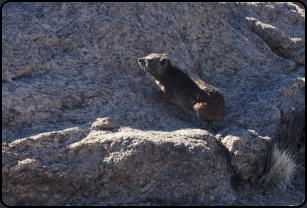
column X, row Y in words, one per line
column 79, row 125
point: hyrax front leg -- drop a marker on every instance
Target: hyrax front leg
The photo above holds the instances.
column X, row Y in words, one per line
column 160, row 95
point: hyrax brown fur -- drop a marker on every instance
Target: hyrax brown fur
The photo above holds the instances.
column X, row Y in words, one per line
column 191, row 93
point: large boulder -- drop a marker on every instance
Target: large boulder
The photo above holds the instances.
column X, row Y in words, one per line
column 79, row 125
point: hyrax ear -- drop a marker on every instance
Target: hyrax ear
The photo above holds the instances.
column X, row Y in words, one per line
column 166, row 54
column 163, row 61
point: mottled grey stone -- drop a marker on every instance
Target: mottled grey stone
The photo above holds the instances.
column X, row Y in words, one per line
column 79, row 126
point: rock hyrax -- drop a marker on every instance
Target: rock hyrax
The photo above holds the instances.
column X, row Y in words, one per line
column 191, row 93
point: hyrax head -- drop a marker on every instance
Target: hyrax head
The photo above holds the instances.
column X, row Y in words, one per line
column 155, row 64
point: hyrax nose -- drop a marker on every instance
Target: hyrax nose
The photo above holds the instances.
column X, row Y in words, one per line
column 140, row 60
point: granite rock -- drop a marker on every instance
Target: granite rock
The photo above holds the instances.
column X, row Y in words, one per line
column 79, row 125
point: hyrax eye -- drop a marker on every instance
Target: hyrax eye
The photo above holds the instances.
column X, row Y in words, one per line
column 162, row 62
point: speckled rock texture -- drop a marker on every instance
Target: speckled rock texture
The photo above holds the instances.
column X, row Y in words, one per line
column 79, row 126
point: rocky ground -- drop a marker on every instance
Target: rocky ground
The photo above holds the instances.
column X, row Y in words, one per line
column 257, row 196
column 79, row 125
column 294, row 196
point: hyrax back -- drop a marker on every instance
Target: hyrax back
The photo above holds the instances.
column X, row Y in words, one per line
column 191, row 93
